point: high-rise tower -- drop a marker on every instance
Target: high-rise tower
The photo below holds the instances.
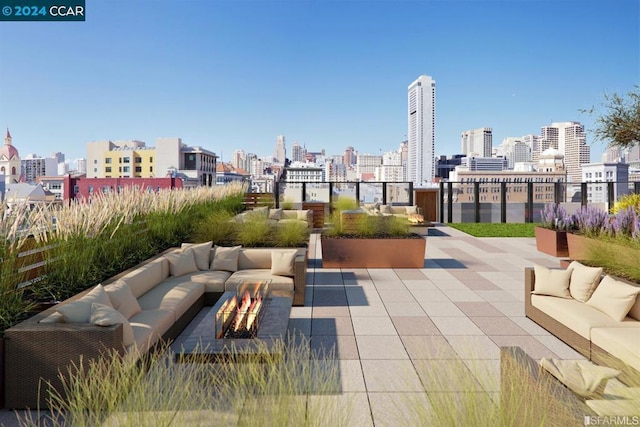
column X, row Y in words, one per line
column 568, row 138
column 477, row 142
column 422, row 122
column 281, row 151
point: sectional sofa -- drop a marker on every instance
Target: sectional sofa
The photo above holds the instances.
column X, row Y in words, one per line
column 277, row 216
column 390, row 210
column 135, row 310
column 598, row 315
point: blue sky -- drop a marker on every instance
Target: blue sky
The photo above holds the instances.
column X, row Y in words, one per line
column 328, row 74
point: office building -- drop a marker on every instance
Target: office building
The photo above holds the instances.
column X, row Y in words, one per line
column 568, row 138
column 421, row 98
column 598, row 174
column 281, row 151
column 297, row 152
column 477, row 142
column 133, row 159
column 32, row 167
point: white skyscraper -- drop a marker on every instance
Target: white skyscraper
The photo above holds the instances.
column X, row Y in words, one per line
column 477, row 142
column 568, row 138
column 281, row 151
column 422, row 121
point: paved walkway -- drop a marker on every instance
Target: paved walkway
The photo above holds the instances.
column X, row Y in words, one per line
column 399, row 333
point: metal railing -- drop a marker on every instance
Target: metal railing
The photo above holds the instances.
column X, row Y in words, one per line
column 519, row 202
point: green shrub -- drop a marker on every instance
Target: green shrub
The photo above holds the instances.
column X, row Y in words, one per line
column 253, row 232
column 290, row 234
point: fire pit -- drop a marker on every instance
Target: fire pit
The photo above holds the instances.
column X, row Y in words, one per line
column 213, row 338
column 240, row 315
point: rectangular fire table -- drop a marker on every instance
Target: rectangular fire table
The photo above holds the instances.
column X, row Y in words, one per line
column 201, row 345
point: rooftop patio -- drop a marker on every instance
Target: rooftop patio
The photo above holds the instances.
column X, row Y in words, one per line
column 394, row 330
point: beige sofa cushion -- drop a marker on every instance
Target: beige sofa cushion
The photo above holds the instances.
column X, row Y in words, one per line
column 201, row 253
column 584, row 280
column 212, row 280
column 147, row 276
column 553, row 282
column 181, row 263
column 282, row 262
column 79, row 311
column 275, row 214
column 576, row 315
column 281, row 283
column 104, row 315
column 149, row 326
column 176, row 297
column 614, row 298
column 635, row 309
column 226, row 258
column 623, row 343
column 122, row 298
column 250, row 258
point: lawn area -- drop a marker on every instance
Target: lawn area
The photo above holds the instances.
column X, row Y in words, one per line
column 495, row 229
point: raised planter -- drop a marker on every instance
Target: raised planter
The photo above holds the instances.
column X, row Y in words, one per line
column 373, row 253
column 551, row 242
column 578, row 246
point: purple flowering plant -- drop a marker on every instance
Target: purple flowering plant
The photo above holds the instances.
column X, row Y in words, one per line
column 591, row 221
column 555, row 217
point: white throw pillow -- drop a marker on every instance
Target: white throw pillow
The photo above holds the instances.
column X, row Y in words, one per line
column 181, row 263
column 201, row 253
column 614, row 298
column 385, row 209
column 282, row 263
column 553, row 282
column 581, row 376
column 122, row 298
column 634, row 312
column 103, row 315
column 584, row 280
column 79, row 311
column 302, row 215
column 226, row 258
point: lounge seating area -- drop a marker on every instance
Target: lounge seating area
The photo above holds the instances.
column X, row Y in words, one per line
column 598, row 315
column 133, row 311
column 277, row 216
column 399, row 335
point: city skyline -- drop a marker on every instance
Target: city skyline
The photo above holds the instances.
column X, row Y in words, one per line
column 235, row 75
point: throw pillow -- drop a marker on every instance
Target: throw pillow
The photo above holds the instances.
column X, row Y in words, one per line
column 282, row 263
column 201, row 253
column 385, row 209
column 581, row 376
column 614, row 298
column 584, row 280
column 553, row 282
column 226, row 258
column 275, row 214
column 122, row 298
column 412, row 210
column 634, row 312
column 302, row 215
column 79, row 311
column 181, row 263
column 103, row 315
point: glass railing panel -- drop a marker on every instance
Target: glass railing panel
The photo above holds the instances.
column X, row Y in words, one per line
column 317, row 192
column 398, row 193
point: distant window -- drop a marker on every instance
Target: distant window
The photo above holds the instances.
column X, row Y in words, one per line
column 126, row 160
column 138, row 169
column 105, row 189
column 95, row 161
column 151, row 159
column 149, row 189
column 76, row 189
column 107, row 169
column 150, row 168
column 90, row 189
column 95, row 170
column 138, row 159
column 126, row 169
column 107, row 160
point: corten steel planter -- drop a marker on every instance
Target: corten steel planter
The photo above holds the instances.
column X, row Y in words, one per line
column 551, row 242
column 373, row 253
column 578, row 246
